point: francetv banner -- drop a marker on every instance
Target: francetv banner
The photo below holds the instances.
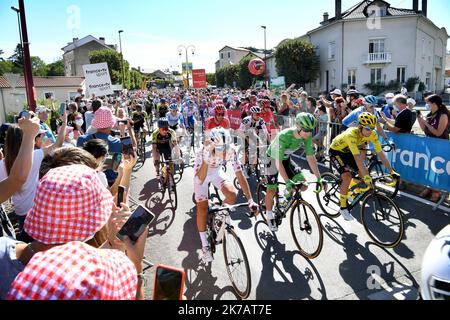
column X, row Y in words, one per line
column 98, row 80
column 422, row 160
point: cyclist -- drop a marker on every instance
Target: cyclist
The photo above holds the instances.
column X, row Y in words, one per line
column 352, row 120
column 164, row 140
column 253, row 128
column 208, row 170
column 190, row 114
column 269, row 118
column 219, row 119
column 280, row 151
column 138, row 117
column 345, row 156
column 162, row 108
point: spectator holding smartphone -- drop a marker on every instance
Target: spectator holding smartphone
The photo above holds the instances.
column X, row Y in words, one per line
column 23, row 199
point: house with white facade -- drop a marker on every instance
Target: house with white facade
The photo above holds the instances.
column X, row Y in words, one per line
column 232, row 56
column 374, row 42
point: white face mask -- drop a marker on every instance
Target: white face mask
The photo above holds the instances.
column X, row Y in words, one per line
column 79, row 123
column 389, row 101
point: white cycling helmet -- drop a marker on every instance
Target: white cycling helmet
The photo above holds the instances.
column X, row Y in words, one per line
column 436, row 268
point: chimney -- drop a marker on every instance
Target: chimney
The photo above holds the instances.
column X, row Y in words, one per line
column 326, row 16
column 102, row 40
column 75, row 39
column 338, row 9
column 425, row 7
column 416, row 6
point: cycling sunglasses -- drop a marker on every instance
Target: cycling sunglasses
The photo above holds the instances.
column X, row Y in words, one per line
column 220, row 115
column 368, row 129
column 307, row 131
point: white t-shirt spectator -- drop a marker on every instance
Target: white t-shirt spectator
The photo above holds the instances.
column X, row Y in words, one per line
column 103, row 179
column 23, row 200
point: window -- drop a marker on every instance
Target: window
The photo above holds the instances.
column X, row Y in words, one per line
column 401, row 74
column 376, row 11
column 428, row 81
column 72, row 95
column 332, row 51
column 351, row 77
column 229, row 55
column 49, row 94
column 221, row 56
column 375, row 75
column 376, row 46
column 423, row 48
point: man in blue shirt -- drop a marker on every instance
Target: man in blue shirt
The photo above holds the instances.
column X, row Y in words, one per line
column 42, row 113
column 103, row 122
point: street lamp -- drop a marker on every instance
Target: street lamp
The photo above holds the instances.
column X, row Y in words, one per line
column 121, row 55
column 180, row 52
column 265, row 55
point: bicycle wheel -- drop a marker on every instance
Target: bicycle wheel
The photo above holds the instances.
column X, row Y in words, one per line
column 172, row 190
column 329, row 198
column 382, row 220
column 306, row 230
column 376, row 169
column 236, row 262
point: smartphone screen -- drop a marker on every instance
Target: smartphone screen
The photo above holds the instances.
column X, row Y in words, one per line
column 62, row 109
column 120, row 195
column 135, row 226
column 169, row 284
column 127, row 146
column 117, row 160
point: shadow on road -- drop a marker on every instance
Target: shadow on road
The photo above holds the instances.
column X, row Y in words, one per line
column 278, row 262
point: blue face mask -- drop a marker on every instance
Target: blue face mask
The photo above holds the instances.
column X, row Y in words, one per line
column 428, row 107
column 389, row 101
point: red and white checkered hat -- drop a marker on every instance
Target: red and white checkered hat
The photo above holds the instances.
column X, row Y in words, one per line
column 104, row 118
column 71, row 204
column 76, row 271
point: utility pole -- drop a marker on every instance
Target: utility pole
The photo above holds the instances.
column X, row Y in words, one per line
column 121, row 55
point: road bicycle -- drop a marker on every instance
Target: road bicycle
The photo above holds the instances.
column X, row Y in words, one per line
column 167, row 182
column 306, row 228
column 380, row 216
column 220, row 231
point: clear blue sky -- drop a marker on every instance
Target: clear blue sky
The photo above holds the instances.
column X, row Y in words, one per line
column 154, row 28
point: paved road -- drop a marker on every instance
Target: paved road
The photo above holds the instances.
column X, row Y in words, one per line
column 342, row 271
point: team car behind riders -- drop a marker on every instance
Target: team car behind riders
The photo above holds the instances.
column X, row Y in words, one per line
column 345, row 155
column 280, row 152
column 208, row 170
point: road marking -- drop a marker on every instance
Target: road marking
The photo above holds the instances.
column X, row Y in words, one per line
column 397, row 292
column 401, row 193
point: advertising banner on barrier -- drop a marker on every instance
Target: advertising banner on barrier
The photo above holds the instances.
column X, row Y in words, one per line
column 422, row 160
column 98, row 79
column 235, row 117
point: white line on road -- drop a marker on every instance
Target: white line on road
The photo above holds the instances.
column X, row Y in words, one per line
column 401, row 193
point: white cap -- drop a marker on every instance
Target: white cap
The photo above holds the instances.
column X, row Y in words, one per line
column 390, row 95
column 336, row 92
column 41, row 109
column 411, row 101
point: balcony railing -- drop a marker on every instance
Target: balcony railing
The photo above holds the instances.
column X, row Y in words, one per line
column 379, row 57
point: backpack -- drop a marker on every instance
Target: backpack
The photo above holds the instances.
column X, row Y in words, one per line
column 6, row 227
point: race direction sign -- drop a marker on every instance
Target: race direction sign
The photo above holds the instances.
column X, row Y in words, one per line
column 98, row 80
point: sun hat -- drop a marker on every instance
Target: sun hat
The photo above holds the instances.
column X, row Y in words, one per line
column 41, row 109
column 76, row 271
column 411, row 101
column 71, row 204
column 336, row 92
column 104, row 119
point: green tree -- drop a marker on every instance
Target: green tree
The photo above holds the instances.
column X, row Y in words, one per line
column 220, row 78
column 1, row 53
column 38, row 67
column 17, row 60
column 297, row 61
column 56, row 68
column 6, row 66
column 211, row 78
column 231, row 75
column 113, row 59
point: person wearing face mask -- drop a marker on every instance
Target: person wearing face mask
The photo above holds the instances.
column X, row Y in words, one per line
column 403, row 122
column 76, row 122
column 389, row 108
column 42, row 113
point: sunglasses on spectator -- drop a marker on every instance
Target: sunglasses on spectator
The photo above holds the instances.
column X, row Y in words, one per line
column 221, row 114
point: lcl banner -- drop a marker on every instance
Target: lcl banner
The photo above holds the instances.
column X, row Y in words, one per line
column 199, row 78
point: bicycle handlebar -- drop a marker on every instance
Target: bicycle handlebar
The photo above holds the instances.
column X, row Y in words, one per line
column 217, row 209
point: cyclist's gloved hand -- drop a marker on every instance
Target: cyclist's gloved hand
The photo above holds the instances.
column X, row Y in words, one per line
column 253, row 206
column 319, row 186
column 290, row 185
column 395, row 175
column 368, row 180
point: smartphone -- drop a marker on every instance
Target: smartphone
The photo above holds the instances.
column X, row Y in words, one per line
column 120, row 195
column 169, row 283
column 62, row 109
column 127, row 146
column 135, row 226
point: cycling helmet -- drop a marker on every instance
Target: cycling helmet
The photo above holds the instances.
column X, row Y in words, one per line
column 220, row 136
column 367, row 119
column 265, row 103
column 306, row 121
column 163, row 100
column 353, row 93
column 255, row 110
column 371, row 100
column 163, row 123
column 174, row 106
column 174, row 101
column 219, row 109
column 436, row 268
